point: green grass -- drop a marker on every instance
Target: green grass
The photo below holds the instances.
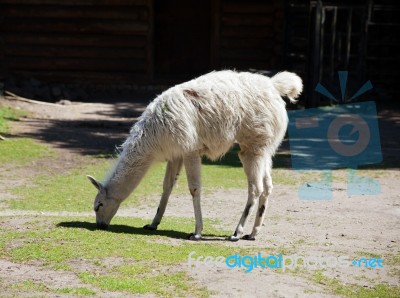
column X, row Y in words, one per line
column 394, row 260
column 368, row 255
column 73, row 238
column 65, row 192
column 148, row 256
column 73, row 192
column 354, row 291
column 76, row 291
column 28, row 286
column 17, row 150
column 165, row 285
column 21, row 151
column 7, row 115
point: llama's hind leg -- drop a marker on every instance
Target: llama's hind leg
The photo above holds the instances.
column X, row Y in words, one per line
column 193, row 167
column 263, row 203
column 171, row 176
column 253, row 166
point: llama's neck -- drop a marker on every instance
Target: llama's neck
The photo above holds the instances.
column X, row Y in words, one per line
column 129, row 170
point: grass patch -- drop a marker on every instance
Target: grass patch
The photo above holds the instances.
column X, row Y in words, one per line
column 165, row 285
column 17, row 150
column 76, row 291
column 353, row 291
column 148, row 256
column 7, row 115
column 66, row 192
column 368, row 255
column 21, row 150
column 73, row 192
column 394, row 260
column 126, row 238
column 28, row 285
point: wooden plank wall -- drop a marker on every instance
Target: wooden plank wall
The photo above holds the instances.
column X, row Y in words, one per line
column 250, row 34
column 78, row 40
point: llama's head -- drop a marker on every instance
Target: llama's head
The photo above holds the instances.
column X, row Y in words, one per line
column 104, row 206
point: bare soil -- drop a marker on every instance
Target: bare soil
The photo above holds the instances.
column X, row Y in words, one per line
column 353, row 226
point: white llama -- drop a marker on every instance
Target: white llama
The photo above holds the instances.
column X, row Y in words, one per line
column 204, row 116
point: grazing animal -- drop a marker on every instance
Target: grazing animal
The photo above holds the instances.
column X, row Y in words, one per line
column 204, row 116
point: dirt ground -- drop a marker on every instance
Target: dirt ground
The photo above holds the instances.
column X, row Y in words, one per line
column 353, row 226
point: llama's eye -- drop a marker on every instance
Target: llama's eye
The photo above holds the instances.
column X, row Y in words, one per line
column 98, row 207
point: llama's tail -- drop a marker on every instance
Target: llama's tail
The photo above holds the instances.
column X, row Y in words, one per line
column 288, row 84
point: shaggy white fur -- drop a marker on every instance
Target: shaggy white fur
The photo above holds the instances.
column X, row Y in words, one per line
column 205, row 116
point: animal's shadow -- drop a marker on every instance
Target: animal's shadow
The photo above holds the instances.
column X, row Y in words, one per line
column 124, row 229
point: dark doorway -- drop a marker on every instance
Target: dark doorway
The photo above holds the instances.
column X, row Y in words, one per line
column 182, row 38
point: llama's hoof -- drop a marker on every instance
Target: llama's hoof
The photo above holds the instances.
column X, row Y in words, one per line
column 248, row 237
column 194, row 237
column 150, row 228
column 233, row 238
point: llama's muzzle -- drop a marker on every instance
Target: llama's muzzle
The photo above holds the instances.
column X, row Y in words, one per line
column 102, row 226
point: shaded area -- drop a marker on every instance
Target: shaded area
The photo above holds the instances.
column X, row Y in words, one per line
column 85, row 137
column 231, row 158
column 130, row 109
column 99, row 131
column 87, row 129
column 389, row 131
column 124, row 229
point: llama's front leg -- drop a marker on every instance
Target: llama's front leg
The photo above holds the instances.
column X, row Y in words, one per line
column 192, row 166
column 171, row 176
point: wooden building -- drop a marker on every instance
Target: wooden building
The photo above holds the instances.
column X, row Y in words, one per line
column 142, row 42
column 359, row 36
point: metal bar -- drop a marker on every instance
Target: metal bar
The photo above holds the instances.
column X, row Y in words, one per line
column 333, row 42
column 215, row 34
column 322, row 42
column 348, row 38
column 150, row 42
column 316, row 59
column 366, row 18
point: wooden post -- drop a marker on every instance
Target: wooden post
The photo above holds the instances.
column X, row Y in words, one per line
column 215, row 33
column 150, row 42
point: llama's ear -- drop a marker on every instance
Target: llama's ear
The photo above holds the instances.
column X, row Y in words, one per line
column 96, row 183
